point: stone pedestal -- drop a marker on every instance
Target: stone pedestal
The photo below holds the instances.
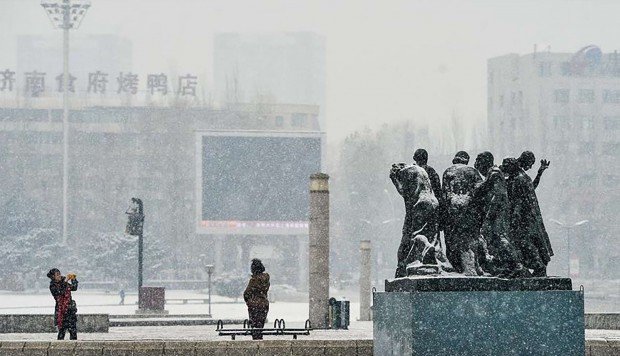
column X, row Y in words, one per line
column 517, row 320
column 152, row 300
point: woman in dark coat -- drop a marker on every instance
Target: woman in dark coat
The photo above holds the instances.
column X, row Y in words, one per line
column 65, row 312
column 255, row 297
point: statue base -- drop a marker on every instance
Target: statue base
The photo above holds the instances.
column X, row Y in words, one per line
column 459, row 283
column 432, row 315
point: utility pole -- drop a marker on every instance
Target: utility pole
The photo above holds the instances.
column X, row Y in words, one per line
column 209, row 273
column 135, row 227
column 66, row 15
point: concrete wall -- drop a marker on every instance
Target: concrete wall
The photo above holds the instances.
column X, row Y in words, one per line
column 190, row 348
column 608, row 321
column 42, row 323
column 594, row 347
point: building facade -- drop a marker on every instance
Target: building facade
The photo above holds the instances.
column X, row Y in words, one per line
column 565, row 107
column 116, row 153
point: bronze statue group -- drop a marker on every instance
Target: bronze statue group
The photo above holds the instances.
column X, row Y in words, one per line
column 489, row 216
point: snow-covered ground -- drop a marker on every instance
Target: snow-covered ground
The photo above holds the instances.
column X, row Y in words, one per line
column 90, row 302
column 99, row 302
column 357, row 331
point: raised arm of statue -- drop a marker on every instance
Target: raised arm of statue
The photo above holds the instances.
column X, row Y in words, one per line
column 544, row 164
column 396, row 167
column 397, row 184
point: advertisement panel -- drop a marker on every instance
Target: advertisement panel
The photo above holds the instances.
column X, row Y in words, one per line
column 255, row 182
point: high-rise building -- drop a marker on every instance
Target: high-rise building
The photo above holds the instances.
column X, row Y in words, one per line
column 565, row 107
column 285, row 67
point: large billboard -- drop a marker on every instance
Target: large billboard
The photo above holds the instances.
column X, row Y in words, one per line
column 255, row 182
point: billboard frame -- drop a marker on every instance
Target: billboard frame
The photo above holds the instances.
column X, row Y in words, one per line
column 246, row 230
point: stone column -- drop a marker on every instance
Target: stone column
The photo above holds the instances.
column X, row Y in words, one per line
column 318, row 251
column 365, row 280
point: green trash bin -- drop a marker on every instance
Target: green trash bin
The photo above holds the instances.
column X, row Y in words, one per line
column 338, row 314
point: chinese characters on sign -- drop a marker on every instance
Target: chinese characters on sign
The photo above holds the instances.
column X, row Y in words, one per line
column 70, row 83
column 97, row 82
column 157, row 82
column 35, row 83
column 7, row 80
column 127, row 83
column 187, row 85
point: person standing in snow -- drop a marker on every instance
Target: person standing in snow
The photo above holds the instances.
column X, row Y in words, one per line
column 65, row 311
column 255, row 296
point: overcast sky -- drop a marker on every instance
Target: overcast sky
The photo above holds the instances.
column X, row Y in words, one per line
column 386, row 60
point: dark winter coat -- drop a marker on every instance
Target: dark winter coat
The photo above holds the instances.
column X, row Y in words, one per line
column 65, row 310
column 527, row 229
column 491, row 199
column 255, row 294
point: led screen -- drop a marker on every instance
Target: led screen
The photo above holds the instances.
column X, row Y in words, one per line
column 257, row 180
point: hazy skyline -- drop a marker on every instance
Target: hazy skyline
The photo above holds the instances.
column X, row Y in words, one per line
column 386, row 61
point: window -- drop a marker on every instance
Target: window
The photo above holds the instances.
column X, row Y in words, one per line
column 544, row 69
column 611, row 149
column 611, row 123
column 560, row 147
column 611, row 96
column 586, row 148
column 585, row 96
column 501, row 101
column 298, row 120
column 516, row 98
column 44, row 137
column 561, row 95
column 611, row 180
column 279, row 121
column 587, row 123
column 566, row 69
column 562, row 122
column 586, row 180
column 490, row 104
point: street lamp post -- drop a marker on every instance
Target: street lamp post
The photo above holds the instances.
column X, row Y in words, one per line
column 568, row 229
column 209, row 273
column 66, row 15
column 135, row 227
